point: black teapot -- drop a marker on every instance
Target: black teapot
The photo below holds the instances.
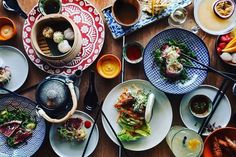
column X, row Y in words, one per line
column 57, row 95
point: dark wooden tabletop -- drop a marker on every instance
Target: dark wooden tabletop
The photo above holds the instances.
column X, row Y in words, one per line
column 105, row 147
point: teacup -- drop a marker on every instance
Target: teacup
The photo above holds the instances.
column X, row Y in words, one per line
column 126, row 12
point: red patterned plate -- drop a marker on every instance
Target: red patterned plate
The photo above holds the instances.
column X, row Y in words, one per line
column 91, row 26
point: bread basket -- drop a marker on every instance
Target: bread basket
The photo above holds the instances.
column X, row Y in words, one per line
column 44, row 49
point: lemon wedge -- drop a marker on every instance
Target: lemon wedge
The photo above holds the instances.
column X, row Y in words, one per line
column 193, row 144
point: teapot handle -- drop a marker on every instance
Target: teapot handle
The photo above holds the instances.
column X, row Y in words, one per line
column 69, row 114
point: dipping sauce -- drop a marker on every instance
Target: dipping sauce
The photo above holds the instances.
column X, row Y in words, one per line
column 200, row 105
column 209, row 19
column 50, row 6
column 133, row 52
column 125, row 12
column 109, row 66
column 7, row 31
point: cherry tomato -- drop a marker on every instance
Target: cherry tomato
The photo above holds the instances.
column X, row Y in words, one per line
column 87, row 124
column 219, row 50
column 223, row 38
column 222, row 45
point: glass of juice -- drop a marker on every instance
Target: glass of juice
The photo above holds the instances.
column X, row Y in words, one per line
column 184, row 142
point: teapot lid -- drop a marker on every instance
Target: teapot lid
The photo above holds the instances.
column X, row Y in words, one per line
column 53, row 94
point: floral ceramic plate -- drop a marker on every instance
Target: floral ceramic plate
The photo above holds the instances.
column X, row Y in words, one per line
column 34, row 142
column 91, row 26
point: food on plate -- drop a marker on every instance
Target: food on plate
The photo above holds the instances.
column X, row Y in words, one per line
column 7, row 31
column 131, row 107
column 200, row 106
column 73, row 130
column 223, row 147
column 48, row 32
column 170, row 61
column 224, row 8
column 226, row 48
column 69, row 34
column 17, row 125
column 5, row 75
column 149, row 107
column 155, row 7
column 58, row 37
column 64, row 46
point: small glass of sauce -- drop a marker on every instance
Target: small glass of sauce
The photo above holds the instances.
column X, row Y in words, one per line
column 200, row 106
column 133, row 52
column 50, row 6
column 126, row 12
column 109, row 66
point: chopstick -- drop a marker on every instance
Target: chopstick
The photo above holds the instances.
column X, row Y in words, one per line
column 112, row 129
column 91, row 132
column 122, row 79
column 226, row 73
column 123, row 60
column 220, row 94
column 209, row 68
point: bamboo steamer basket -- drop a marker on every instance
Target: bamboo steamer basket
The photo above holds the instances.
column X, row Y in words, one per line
column 43, row 49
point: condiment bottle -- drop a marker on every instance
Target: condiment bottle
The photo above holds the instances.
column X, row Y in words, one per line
column 91, row 98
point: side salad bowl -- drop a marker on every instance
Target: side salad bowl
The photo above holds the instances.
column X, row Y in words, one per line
column 24, row 108
column 165, row 49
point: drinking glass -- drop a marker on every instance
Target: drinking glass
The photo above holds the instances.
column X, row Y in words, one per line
column 184, row 142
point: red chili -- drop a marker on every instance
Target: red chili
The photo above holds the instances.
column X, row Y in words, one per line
column 87, row 124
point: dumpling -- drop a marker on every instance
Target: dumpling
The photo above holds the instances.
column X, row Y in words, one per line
column 48, row 32
column 64, row 46
column 69, row 34
column 58, row 37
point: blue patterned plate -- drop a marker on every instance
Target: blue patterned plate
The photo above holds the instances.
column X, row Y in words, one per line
column 33, row 143
column 196, row 76
column 118, row 31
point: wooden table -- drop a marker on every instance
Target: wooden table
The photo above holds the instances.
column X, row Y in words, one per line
column 105, row 147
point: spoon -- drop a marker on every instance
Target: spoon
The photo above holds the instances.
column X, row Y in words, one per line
column 13, row 6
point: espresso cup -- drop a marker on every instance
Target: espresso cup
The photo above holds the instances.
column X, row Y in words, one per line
column 126, row 12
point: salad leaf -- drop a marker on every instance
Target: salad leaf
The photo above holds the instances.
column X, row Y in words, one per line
column 125, row 135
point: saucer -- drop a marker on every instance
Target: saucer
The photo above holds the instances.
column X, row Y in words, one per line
column 220, row 118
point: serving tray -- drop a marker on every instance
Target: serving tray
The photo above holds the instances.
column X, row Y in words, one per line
column 118, row 31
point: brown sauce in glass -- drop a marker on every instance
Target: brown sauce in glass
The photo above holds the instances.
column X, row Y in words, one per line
column 126, row 13
column 51, row 6
column 199, row 104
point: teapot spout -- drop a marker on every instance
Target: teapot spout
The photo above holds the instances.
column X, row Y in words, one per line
column 76, row 77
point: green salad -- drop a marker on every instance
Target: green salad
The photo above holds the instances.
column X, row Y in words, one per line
column 170, row 61
column 131, row 107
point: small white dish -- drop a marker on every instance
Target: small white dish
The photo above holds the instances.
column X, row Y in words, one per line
column 200, row 99
column 161, row 118
column 65, row 148
column 221, row 117
column 18, row 65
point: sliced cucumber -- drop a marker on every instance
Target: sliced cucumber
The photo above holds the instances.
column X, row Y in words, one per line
column 148, row 111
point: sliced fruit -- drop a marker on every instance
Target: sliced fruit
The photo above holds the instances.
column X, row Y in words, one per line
column 230, row 50
column 8, row 128
column 232, row 43
column 224, row 8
